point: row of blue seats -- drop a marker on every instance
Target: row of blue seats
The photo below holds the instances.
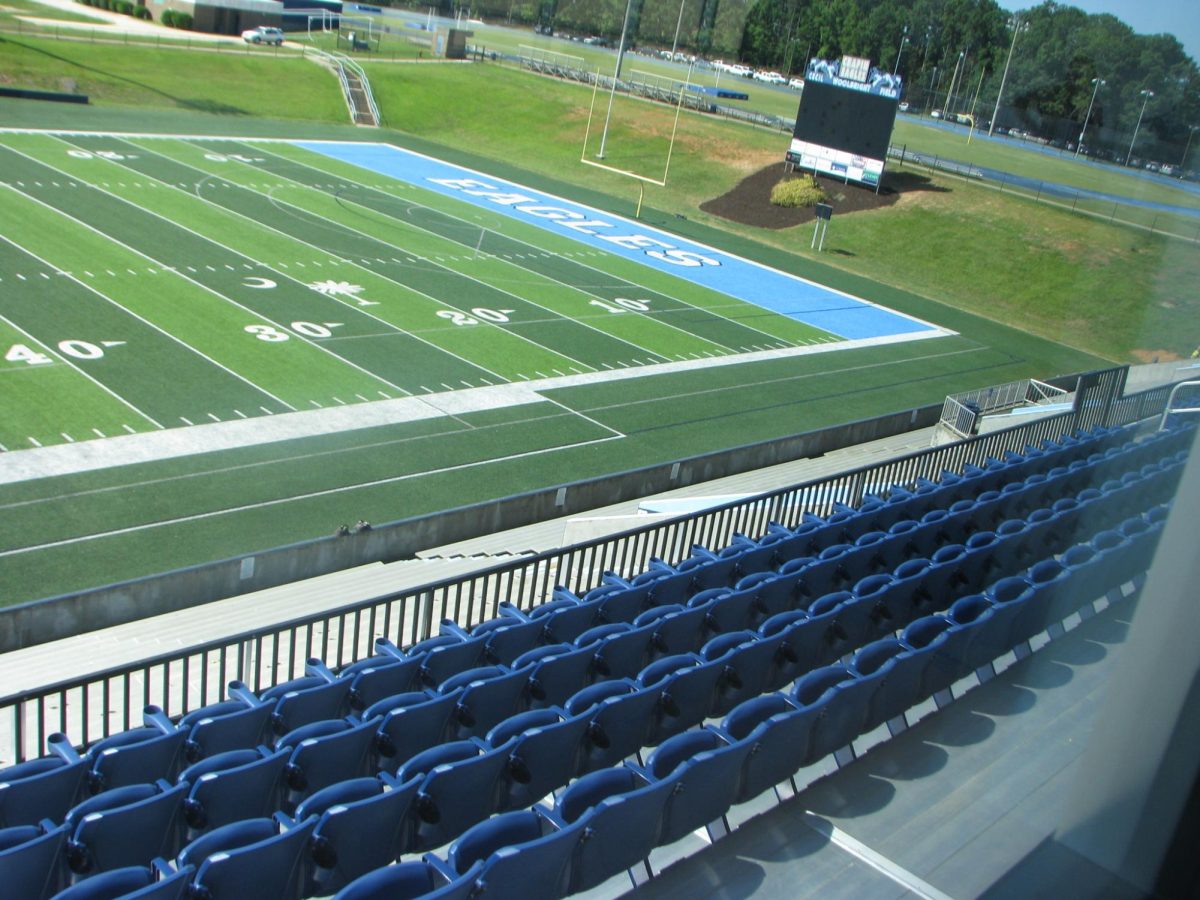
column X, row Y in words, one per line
column 469, row 703
column 690, row 780
column 452, row 786
column 608, row 821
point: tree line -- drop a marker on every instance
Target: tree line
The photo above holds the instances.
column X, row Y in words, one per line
column 952, row 55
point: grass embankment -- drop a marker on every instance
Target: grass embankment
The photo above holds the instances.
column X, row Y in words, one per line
column 1106, row 289
column 228, row 83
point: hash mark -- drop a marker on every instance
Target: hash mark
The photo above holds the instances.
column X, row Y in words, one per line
column 186, row 420
column 130, row 430
column 34, row 441
column 67, row 437
column 98, row 432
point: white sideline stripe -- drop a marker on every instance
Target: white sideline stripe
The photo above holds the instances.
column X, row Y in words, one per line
column 875, row 860
column 123, row 450
column 279, row 501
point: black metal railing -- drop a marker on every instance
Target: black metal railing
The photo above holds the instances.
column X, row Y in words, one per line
column 110, row 701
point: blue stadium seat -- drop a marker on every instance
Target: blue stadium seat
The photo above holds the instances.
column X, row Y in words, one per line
column 522, row 855
column 234, row 785
column 460, row 785
column 729, row 609
column 362, row 824
column 975, row 635
column 620, row 715
column 448, row 658
column 839, row 712
column 705, row 769
column 908, row 596
column 252, row 858
column 564, row 617
column 41, row 788
column 126, row 826
column 897, row 671
column 417, row 723
column 689, row 693
column 544, row 747
column 556, row 672
column 806, row 643
column 408, row 881
column 152, row 751
column 677, row 629
column 749, row 662
column 380, row 676
column 622, row 812
column 930, row 636
column 620, row 650
column 877, row 591
column 132, row 883
column 506, row 636
column 486, row 696
column 849, row 622
column 1011, row 598
column 310, row 698
column 31, row 864
column 323, row 753
column 233, row 724
column 775, row 736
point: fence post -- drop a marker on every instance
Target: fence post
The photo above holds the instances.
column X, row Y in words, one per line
column 1038, row 198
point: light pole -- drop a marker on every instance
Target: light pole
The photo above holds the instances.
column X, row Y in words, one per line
column 953, row 81
column 1017, row 26
column 1096, row 82
column 678, row 23
column 1137, row 127
column 900, row 52
column 1192, row 129
column 616, row 77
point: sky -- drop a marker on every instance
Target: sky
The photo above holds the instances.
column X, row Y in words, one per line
column 1178, row 17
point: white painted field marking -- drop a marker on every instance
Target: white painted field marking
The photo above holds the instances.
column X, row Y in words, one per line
column 142, row 319
column 552, row 314
column 98, row 384
column 180, row 520
column 217, row 293
column 357, row 307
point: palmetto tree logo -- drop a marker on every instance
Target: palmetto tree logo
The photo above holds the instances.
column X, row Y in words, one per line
column 331, row 288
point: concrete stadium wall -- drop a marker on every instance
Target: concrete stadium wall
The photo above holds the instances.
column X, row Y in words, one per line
column 58, row 617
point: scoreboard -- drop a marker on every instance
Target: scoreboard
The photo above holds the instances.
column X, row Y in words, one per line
column 844, row 124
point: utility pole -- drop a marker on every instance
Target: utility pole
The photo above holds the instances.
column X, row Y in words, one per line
column 1017, row 25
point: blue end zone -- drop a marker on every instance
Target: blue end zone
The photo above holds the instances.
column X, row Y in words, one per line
column 788, row 295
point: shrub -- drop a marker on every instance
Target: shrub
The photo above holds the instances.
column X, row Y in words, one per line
column 184, row 20
column 124, row 7
column 801, row 191
column 143, row 13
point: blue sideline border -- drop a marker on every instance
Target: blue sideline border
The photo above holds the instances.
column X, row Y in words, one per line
column 821, row 307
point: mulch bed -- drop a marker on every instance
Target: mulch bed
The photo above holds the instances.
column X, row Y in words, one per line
column 750, row 202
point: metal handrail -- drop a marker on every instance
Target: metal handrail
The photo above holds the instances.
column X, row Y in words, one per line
column 188, row 679
column 1170, row 407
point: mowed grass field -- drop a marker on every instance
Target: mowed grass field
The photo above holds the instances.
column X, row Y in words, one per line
column 152, row 285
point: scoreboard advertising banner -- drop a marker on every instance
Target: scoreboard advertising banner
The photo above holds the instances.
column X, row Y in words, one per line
column 847, row 112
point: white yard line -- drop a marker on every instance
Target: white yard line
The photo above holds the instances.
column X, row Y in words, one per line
column 86, row 456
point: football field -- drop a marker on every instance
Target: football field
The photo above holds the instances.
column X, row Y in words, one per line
column 212, row 346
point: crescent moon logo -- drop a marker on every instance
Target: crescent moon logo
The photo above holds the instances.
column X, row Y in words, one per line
column 254, row 281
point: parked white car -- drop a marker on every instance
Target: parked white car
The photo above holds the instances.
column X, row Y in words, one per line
column 770, row 77
column 796, row 84
column 738, row 69
column 263, row 34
